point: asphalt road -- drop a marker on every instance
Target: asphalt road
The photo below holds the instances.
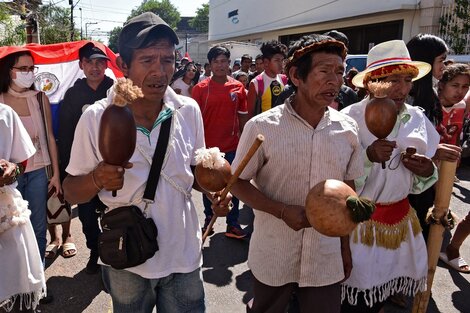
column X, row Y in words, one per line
column 226, row 274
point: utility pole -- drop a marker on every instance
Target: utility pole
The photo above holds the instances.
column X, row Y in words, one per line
column 86, row 28
column 81, row 24
column 72, row 26
column 186, row 43
column 71, row 20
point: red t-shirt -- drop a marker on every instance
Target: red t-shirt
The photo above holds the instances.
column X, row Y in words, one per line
column 220, row 105
column 452, row 123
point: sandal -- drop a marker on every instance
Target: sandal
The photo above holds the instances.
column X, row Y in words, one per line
column 69, row 250
column 457, row 264
column 51, row 251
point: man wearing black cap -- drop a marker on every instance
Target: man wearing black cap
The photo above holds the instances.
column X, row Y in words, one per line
column 171, row 279
column 84, row 92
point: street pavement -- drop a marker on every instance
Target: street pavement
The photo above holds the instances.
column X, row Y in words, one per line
column 226, row 273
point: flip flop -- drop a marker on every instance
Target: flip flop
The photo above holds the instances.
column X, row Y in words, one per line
column 51, row 251
column 67, row 249
column 457, row 263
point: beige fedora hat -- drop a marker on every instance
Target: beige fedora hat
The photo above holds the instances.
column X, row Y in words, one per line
column 393, row 52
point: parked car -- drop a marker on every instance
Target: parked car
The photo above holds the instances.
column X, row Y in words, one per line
column 359, row 61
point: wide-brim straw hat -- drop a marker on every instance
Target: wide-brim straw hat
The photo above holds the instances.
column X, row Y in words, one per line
column 393, row 52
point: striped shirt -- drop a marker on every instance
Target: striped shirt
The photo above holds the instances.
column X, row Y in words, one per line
column 293, row 158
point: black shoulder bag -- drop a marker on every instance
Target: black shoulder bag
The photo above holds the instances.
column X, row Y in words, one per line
column 129, row 238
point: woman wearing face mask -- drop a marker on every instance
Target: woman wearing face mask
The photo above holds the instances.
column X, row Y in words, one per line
column 17, row 91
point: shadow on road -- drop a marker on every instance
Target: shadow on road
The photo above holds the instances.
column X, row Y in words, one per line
column 75, row 292
column 224, row 253
column 460, row 298
column 244, row 283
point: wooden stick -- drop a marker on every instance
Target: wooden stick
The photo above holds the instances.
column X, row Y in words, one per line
column 441, row 205
column 258, row 141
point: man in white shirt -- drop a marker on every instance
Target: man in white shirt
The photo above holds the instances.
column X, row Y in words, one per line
column 171, row 279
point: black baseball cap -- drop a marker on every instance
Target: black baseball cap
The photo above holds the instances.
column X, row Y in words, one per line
column 89, row 51
column 137, row 29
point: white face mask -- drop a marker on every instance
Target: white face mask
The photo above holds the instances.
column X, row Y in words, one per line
column 24, row 80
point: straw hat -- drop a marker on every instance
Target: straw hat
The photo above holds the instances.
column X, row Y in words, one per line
column 393, row 52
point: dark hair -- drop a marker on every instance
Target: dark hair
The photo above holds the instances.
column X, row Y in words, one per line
column 271, row 48
column 240, row 73
column 338, row 36
column 453, row 70
column 182, row 71
column 155, row 35
column 246, row 57
column 352, row 72
column 425, row 48
column 259, row 56
column 6, row 64
column 304, row 63
column 215, row 51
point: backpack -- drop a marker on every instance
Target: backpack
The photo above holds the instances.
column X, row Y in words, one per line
column 260, row 82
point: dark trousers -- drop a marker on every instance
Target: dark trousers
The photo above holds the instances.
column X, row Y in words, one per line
column 89, row 218
column 421, row 203
column 268, row 299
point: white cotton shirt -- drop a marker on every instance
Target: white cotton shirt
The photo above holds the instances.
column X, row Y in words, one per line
column 180, row 84
column 395, row 182
column 15, row 144
column 293, row 158
column 174, row 213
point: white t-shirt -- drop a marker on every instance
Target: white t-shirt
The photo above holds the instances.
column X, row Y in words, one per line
column 394, row 185
column 180, row 84
column 15, row 143
column 174, row 213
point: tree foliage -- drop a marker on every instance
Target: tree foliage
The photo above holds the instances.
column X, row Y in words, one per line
column 113, row 38
column 201, row 21
column 164, row 8
column 54, row 24
column 455, row 26
column 11, row 32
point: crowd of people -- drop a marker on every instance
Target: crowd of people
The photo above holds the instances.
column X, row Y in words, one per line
column 312, row 116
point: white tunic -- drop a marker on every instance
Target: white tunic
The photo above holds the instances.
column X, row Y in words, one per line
column 174, row 213
column 21, row 269
column 379, row 271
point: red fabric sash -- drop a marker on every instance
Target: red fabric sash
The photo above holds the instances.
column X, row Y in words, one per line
column 391, row 213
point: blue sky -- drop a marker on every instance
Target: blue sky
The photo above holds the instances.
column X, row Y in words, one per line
column 108, row 14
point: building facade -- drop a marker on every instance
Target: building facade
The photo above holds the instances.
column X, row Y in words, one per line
column 366, row 23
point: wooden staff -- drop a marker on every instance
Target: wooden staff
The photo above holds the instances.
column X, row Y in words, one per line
column 441, row 205
column 258, row 141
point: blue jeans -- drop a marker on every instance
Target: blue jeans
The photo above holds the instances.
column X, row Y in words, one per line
column 232, row 216
column 33, row 188
column 175, row 293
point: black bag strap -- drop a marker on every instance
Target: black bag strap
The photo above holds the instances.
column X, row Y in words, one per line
column 157, row 160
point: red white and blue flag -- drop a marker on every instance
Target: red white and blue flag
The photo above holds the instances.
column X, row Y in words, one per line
column 59, row 68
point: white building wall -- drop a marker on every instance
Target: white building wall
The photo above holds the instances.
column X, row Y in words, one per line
column 249, row 17
column 410, row 26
